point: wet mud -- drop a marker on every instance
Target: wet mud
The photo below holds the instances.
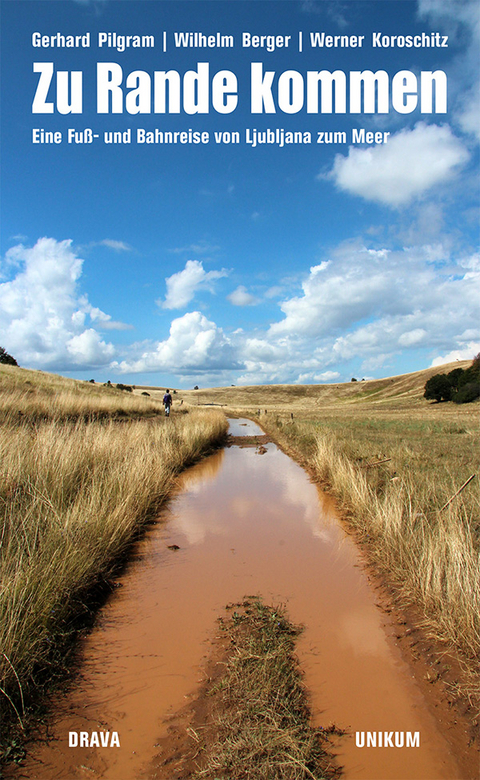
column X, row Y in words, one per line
column 243, row 522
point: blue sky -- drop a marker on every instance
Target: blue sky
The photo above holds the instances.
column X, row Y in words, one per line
column 224, row 264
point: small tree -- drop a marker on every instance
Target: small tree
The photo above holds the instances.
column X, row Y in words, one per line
column 6, row 358
column 438, row 388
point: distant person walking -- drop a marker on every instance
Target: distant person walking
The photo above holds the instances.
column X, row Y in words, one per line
column 167, row 402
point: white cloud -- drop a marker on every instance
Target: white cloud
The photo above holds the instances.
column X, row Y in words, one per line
column 274, row 292
column 356, row 311
column 240, row 297
column 327, row 376
column 468, row 116
column 455, row 18
column 199, row 248
column 88, row 348
column 118, row 246
column 467, row 352
column 409, row 164
column 412, row 337
column 368, row 305
column 448, row 11
column 194, row 345
column 42, row 317
column 265, row 351
column 182, row 286
column 337, row 293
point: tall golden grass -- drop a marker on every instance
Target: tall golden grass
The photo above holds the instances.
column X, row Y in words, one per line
column 73, row 494
column 429, row 552
column 35, row 394
column 393, row 475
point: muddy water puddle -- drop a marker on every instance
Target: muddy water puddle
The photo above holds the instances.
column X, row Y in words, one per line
column 245, row 521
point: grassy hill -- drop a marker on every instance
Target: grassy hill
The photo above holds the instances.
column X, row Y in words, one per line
column 397, row 392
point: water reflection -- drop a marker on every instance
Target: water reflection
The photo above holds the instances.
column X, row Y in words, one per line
column 204, row 471
column 244, row 428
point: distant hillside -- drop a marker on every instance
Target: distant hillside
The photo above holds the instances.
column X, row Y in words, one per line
column 38, row 394
column 403, row 390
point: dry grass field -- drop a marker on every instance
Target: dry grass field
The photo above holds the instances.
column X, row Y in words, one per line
column 36, row 394
column 393, row 460
column 81, row 469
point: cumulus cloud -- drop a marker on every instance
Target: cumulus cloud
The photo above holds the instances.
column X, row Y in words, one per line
column 182, row 286
column 44, row 321
column 194, row 345
column 355, row 311
column 104, row 321
column 327, row 376
column 337, row 293
column 412, row 337
column 466, row 352
column 368, row 305
column 409, row 164
column 241, row 297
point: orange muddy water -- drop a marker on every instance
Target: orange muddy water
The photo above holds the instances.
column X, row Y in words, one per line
column 245, row 523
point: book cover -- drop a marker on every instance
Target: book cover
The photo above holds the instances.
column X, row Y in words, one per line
column 212, row 193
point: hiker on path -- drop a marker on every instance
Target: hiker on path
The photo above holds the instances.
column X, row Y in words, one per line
column 167, row 402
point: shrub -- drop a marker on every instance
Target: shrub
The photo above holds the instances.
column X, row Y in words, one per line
column 467, row 393
column 127, row 388
column 6, row 358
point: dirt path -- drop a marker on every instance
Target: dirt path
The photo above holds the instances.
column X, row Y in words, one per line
column 247, row 520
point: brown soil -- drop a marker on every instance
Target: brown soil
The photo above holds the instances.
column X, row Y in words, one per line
column 249, row 441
